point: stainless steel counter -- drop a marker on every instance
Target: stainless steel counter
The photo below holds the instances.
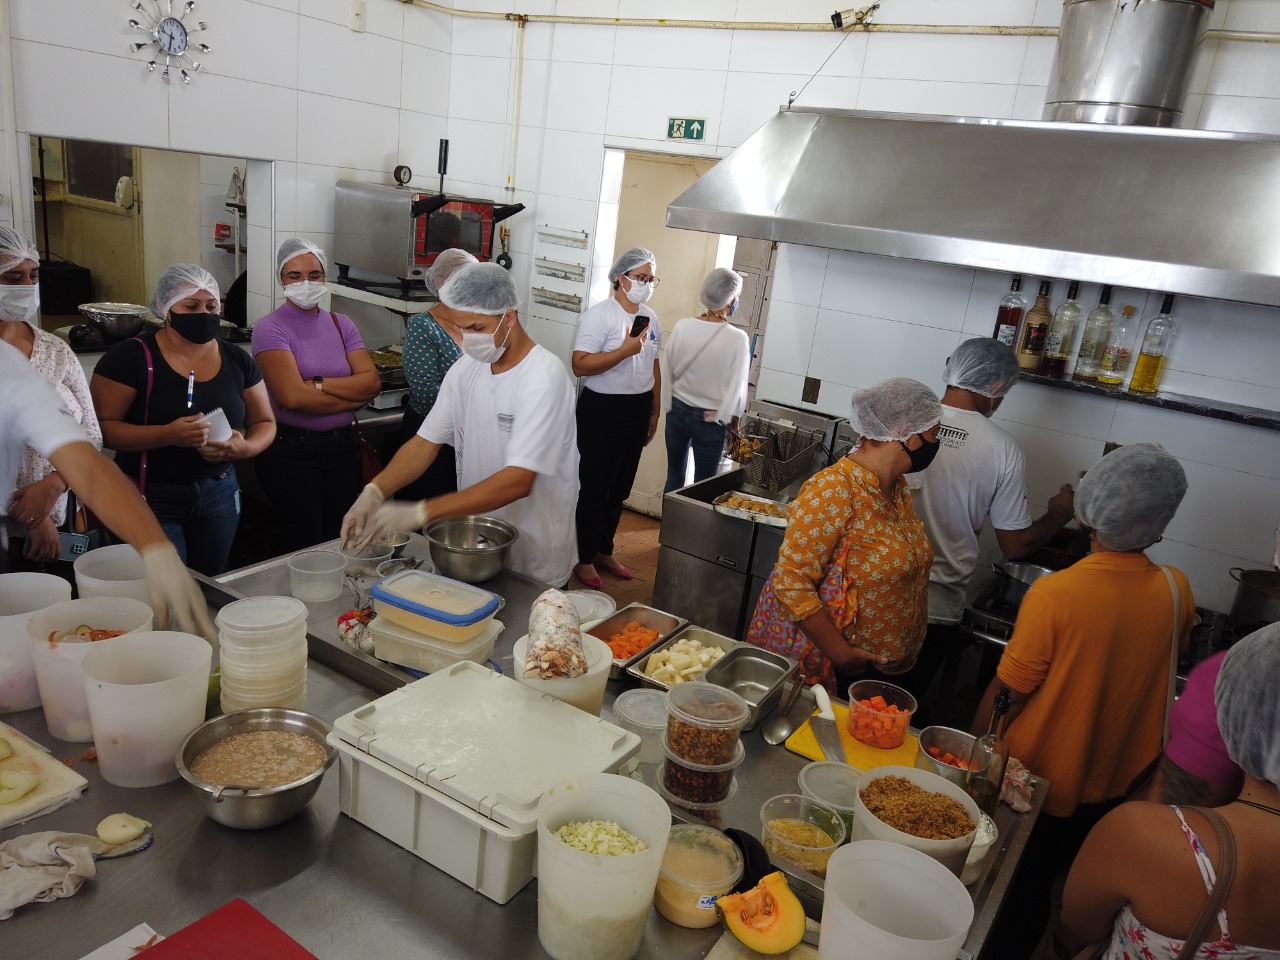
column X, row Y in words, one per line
column 336, row 887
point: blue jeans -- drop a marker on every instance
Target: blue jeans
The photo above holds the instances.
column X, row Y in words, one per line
column 686, row 429
column 200, row 518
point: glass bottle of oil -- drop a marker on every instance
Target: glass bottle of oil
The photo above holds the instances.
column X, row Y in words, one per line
column 1009, row 314
column 989, row 758
column 1097, row 328
column 1035, row 326
column 1114, row 363
column 1153, row 351
column 1062, row 334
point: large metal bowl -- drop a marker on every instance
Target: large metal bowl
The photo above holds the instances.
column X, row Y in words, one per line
column 471, row 549
column 248, row 808
column 117, row 321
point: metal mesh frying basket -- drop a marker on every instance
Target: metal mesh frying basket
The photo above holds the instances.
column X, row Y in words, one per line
column 774, row 456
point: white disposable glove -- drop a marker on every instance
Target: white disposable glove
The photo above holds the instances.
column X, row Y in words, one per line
column 360, row 515
column 396, row 516
column 175, row 596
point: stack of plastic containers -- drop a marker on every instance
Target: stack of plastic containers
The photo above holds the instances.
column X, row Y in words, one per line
column 703, row 746
column 262, row 645
column 428, row 622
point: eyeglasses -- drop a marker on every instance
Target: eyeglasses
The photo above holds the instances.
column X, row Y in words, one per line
column 644, row 281
column 295, row 276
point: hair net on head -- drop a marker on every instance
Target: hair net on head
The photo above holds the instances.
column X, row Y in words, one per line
column 894, row 409
column 14, row 248
column 296, row 247
column 484, row 288
column 180, row 281
column 983, row 365
column 720, row 288
column 1130, row 495
column 1248, row 708
column 630, row 259
column 447, row 263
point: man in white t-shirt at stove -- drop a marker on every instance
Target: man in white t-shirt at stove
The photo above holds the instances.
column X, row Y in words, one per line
column 506, row 407
column 978, row 474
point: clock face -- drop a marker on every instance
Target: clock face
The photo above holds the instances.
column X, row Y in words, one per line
column 171, row 36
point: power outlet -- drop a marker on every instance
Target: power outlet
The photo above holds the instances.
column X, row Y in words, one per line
column 812, row 385
column 357, row 16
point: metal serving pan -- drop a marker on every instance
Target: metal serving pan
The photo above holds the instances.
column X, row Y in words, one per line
column 756, row 675
column 665, row 623
column 720, row 506
column 701, row 634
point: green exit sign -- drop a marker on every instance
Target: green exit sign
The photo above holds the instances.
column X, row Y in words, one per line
column 686, row 128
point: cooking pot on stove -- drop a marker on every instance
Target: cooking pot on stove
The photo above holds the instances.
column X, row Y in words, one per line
column 1257, row 597
column 1016, row 579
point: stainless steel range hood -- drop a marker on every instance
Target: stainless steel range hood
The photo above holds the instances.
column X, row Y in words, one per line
column 1182, row 211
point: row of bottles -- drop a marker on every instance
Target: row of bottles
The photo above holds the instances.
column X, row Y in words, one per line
column 1042, row 340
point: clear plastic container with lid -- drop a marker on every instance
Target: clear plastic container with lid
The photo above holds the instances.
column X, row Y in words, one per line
column 834, row 784
column 704, row 722
column 699, row 782
column 710, row 813
column 261, row 621
column 699, row 865
column 394, row 643
column 644, row 713
column 437, row 606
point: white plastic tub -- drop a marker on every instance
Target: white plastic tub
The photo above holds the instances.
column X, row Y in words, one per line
column 445, row 609
column 950, row 853
column 394, row 643
column 585, row 692
column 21, row 595
column 115, row 571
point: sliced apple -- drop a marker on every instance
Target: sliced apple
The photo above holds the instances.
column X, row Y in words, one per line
column 121, row 828
column 16, row 784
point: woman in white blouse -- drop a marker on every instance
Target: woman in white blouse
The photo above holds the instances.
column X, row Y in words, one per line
column 39, row 502
column 704, row 383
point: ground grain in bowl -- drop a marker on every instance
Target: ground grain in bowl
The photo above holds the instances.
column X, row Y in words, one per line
column 899, row 803
column 260, row 758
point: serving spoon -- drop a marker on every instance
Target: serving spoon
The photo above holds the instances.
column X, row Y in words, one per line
column 778, row 727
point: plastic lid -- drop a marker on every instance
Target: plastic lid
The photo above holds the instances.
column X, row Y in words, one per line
column 692, row 806
column 646, row 709
column 707, row 705
column 701, row 857
column 592, row 604
column 739, row 754
column 255, row 616
column 835, row 784
column 436, row 597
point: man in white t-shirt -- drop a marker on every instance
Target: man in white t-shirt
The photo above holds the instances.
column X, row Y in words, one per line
column 978, row 474
column 31, row 415
column 506, row 407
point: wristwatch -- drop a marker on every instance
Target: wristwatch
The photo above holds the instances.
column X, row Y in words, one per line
column 320, row 384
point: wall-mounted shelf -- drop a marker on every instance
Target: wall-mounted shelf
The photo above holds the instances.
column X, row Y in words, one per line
column 1199, row 406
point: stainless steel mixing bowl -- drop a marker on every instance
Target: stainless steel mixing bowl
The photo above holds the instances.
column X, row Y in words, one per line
column 117, row 321
column 471, row 549
column 251, row 808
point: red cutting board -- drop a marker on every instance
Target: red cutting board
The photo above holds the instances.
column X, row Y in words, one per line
column 235, row 931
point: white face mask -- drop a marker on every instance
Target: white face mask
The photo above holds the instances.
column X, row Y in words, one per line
column 482, row 346
column 19, row 302
column 639, row 292
column 306, row 293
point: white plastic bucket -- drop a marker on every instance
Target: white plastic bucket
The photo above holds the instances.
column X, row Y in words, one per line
column 66, row 710
column 115, row 571
column 885, row 900
column 591, row 906
column 585, row 692
column 21, row 594
column 146, row 692
column 950, row 853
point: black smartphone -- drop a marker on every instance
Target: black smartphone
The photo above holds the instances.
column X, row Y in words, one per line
column 639, row 324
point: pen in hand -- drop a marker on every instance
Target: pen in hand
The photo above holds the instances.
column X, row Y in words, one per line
column 191, row 388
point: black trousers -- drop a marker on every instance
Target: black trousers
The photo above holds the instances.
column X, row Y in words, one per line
column 311, row 478
column 612, row 429
column 441, row 477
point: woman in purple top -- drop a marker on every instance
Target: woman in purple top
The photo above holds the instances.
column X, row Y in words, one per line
column 318, row 373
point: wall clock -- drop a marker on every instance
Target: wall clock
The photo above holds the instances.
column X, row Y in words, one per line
column 170, row 35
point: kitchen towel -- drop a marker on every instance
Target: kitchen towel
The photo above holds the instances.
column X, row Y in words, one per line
column 857, row 753
column 58, row 784
column 39, row 867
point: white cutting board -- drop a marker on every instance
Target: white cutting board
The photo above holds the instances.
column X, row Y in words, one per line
column 58, row 783
column 488, row 741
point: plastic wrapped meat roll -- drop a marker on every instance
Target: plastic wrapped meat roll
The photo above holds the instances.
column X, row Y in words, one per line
column 555, row 638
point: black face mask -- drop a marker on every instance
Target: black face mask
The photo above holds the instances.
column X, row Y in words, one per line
column 195, row 327
column 923, row 456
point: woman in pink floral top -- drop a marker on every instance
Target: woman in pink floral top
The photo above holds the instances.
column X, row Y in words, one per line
column 39, row 503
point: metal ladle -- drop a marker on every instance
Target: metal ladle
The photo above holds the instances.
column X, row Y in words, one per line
column 778, row 727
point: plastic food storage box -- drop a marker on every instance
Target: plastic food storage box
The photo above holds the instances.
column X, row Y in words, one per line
column 417, row 650
column 428, row 603
column 452, row 767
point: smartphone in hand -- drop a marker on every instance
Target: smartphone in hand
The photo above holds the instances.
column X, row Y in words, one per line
column 639, row 324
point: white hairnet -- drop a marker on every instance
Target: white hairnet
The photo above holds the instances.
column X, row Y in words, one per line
column 630, row 259
column 447, row 262
column 484, row 288
column 983, row 365
column 894, row 409
column 179, row 282
column 1130, row 495
column 14, row 248
column 1248, row 707
column 296, row 247
column 720, row 288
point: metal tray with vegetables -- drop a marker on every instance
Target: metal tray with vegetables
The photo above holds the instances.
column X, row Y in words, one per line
column 735, row 503
column 686, row 656
column 641, row 627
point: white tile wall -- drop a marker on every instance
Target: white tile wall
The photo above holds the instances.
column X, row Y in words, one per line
column 640, row 100
column 663, row 47
column 424, row 80
column 479, row 89
column 758, row 51
column 947, row 98
column 477, row 152
column 229, row 116
column 1081, row 414
column 426, row 28
column 1243, row 70
column 420, row 136
column 789, row 337
column 250, row 42
column 929, row 294
column 1260, row 15
column 1028, row 103
column 914, row 56
column 862, row 350
column 580, row 43
column 1243, row 114
column 989, row 12
column 346, row 133
column 577, row 173
column 800, row 272
column 363, row 67
column 578, row 96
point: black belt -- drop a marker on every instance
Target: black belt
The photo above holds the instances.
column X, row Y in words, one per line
column 301, row 433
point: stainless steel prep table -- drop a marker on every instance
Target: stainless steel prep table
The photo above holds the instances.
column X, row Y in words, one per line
column 335, row 886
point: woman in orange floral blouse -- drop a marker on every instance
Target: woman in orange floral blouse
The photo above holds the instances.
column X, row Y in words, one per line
column 849, row 593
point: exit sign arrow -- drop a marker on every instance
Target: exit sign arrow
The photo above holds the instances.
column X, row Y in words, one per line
column 686, row 128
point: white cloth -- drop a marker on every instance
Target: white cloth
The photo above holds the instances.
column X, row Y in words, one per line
column 603, row 328
column 712, row 361
column 31, row 415
column 523, row 418
column 979, row 472
column 40, row 867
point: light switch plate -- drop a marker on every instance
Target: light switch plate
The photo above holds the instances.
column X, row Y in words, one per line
column 357, row 16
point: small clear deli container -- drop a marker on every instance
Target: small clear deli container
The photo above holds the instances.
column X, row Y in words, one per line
column 699, row 865
column 699, row 782
column 428, row 603
column 644, row 713
column 704, row 722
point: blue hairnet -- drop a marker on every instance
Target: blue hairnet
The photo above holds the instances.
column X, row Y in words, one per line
column 180, row 281
column 630, row 259
column 484, row 288
column 720, row 288
column 14, row 248
column 296, row 247
column 1130, row 495
column 894, row 409
column 1248, row 705
column 983, row 365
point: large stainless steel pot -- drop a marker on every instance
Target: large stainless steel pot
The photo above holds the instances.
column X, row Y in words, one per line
column 1257, row 597
column 1016, row 579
